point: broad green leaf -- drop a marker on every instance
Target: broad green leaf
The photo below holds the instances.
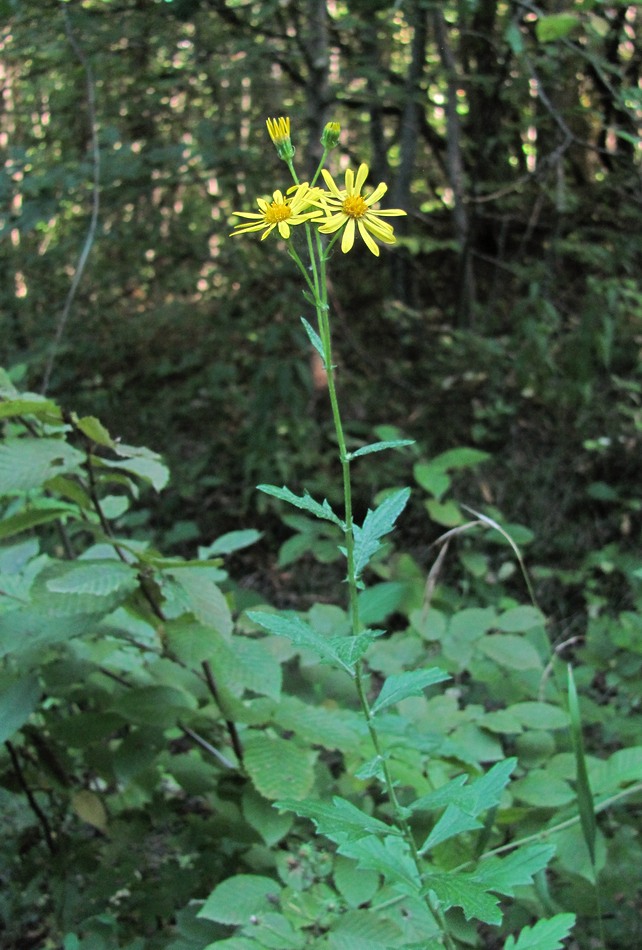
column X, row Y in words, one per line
column 349, row 650
column 340, row 821
column 204, row 597
column 410, row 683
column 432, row 479
column 332, row 728
column 239, row 899
column 622, row 768
column 380, row 447
column 364, row 930
column 544, row 935
column 444, row 513
column 230, row 542
column 278, row 767
column 543, row 790
column 539, row 715
column 462, row 457
column 264, row 818
column 376, row 603
column 30, row 404
column 148, row 467
column 376, row 524
column 154, row 705
column 26, row 630
column 585, row 802
column 97, row 578
column 243, row 663
column 390, row 857
column 314, row 338
column 90, row 809
column 17, row 702
column 300, row 633
column 462, row 890
column 32, row 517
column 505, row 874
column 94, row 430
column 305, row 502
column 555, row 27
column 273, row 931
column 519, row 619
column 509, row 651
column 355, row 884
column 27, row 463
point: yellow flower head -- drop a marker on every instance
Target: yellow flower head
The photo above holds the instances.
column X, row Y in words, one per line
column 348, row 207
column 282, row 212
column 279, row 132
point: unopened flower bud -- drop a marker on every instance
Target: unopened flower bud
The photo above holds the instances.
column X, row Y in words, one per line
column 330, row 136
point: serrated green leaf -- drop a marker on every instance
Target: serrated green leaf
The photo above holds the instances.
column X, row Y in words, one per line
column 453, row 822
column 380, row 447
column 339, row 820
column 278, row 767
column 98, row 578
column 154, row 705
column 503, row 875
column 314, row 338
column 150, row 468
column 26, row 464
column 376, row 524
column 349, row 650
column 264, row 817
column 461, row 890
column 300, row 633
column 244, row 664
column 411, row 683
column 239, row 899
column 544, row 935
column 331, row 728
column 390, row 857
column 204, row 597
column 306, row 502
column 17, row 702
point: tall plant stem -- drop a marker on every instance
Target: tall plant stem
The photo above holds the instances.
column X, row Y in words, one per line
column 318, row 285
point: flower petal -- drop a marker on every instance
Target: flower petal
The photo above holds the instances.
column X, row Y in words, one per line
column 348, row 236
column 329, row 180
column 378, row 193
column 349, row 176
column 370, row 244
column 362, row 174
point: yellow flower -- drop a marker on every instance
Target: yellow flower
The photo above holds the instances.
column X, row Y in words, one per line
column 279, row 132
column 282, row 212
column 348, row 207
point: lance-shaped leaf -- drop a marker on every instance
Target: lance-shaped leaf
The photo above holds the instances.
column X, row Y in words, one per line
column 376, row 524
column 585, row 802
column 314, row 338
column 349, row 650
column 544, row 935
column 505, row 874
column 300, row 633
column 461, row 890
column 340, row 821
column 380, row 447
column 453, row 822
column 411, row 683
column 305, row 502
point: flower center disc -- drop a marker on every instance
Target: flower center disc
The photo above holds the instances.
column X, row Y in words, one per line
column 354, row 206
column 277, row 212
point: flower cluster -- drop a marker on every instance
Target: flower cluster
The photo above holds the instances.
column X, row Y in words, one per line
column 337, row 209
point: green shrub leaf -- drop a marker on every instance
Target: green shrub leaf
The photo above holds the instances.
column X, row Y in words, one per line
column 411, row 683
column 305, row 502
column 238, row 899
column 462, row 890
column 544, row 935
